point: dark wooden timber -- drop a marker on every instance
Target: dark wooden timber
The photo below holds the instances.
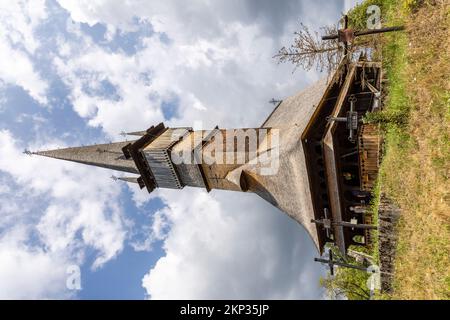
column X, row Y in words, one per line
column 366, row 32
column 331, row 263
column 326, row 224
column 333, row 160
column 312, row 146
column 332, row 170
column 134, row 149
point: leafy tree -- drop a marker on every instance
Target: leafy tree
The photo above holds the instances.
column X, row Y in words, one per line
column 346, row 283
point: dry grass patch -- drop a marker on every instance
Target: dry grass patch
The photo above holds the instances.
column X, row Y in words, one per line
column 416, row 168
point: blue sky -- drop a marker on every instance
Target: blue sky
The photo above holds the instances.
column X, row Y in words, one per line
column 74, row 73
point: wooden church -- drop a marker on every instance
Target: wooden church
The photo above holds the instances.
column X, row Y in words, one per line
column 326, row 157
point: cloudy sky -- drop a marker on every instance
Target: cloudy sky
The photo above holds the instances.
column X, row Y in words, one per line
column 80, row 72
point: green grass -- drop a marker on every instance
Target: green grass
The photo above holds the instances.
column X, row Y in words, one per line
column 415, row 171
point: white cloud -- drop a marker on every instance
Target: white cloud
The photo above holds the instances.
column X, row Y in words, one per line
column 17, row 69
column 218, row 63
column 18, row 20
column 30, row 272
column 207, row 76
column 155, row 231
column 88, row 69
column 82, row 213
column 113, row 12
column 219, row 58
column 231, row 246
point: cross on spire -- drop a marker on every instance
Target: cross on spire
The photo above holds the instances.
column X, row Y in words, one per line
column 274, row 102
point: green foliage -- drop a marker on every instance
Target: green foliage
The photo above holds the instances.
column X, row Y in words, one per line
column 389, row 12
column 411, row 5
column 386, row 118
column 394, row 63
column 346, row 283
column 395, row 115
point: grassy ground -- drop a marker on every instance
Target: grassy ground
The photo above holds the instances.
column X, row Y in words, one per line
column 416, row 166
column 415, row 170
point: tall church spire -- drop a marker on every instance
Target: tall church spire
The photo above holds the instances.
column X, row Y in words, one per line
column 296, row 160
column 108, row 155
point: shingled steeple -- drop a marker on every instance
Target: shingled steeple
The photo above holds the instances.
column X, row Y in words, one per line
column 108, row 155
column 312, row 158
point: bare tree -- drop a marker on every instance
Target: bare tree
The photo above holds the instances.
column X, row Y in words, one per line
column 308, row 50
